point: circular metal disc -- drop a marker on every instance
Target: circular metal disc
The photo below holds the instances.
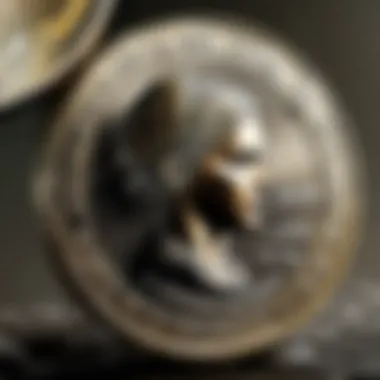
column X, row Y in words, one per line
column 40, row 40
column 309, row 160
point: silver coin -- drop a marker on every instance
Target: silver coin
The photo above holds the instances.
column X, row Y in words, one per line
column 306, row 157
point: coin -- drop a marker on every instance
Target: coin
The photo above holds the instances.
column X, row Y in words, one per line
column 225, row 261
column 41, row 40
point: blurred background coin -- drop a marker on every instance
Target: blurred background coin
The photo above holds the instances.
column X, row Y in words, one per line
column 40, row 40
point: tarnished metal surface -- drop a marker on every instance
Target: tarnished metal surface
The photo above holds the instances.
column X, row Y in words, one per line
column 311, row 181
column 40, row 40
